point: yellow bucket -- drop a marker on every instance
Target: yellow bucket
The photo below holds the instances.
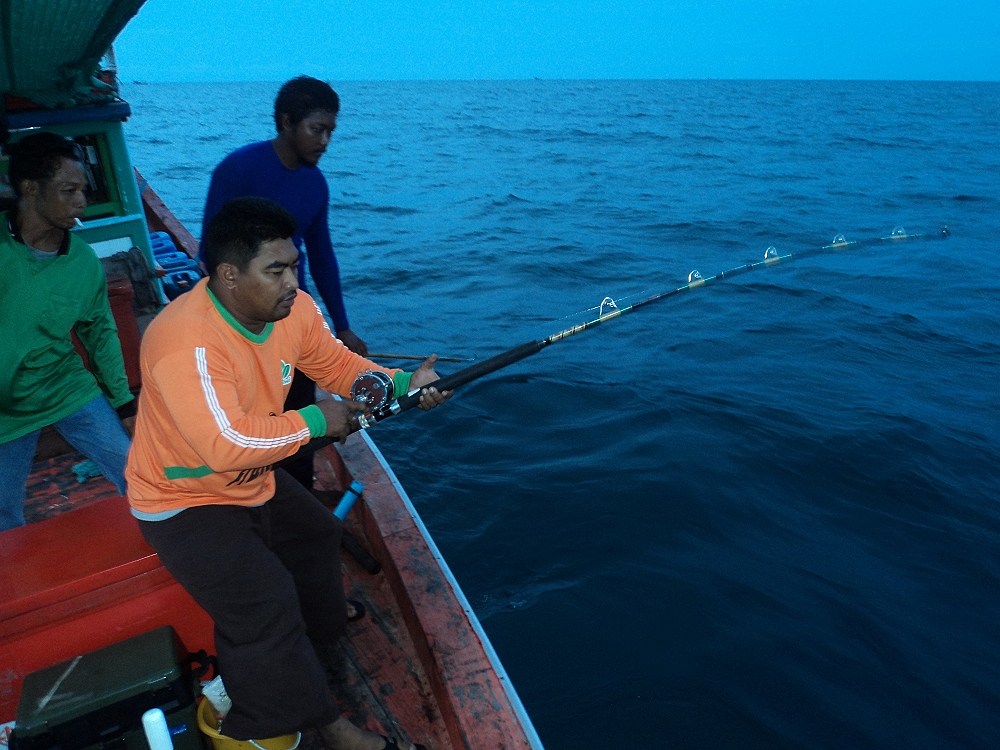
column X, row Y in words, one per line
column 222, row 742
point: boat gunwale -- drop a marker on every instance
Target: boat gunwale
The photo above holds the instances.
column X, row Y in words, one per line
column 436, row 657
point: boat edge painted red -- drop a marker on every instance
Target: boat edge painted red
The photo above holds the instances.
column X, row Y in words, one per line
column 461, row 667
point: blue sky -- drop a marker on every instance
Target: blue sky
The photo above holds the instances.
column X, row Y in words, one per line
column 271, row 40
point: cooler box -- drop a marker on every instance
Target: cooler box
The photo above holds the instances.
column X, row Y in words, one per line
column 96, row 700
column 120, row 297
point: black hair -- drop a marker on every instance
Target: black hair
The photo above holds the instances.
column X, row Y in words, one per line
column 302, row 96
column 235, row 234
column 38, row 157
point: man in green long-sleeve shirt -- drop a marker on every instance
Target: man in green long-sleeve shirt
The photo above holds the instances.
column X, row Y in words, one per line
column 51, row 284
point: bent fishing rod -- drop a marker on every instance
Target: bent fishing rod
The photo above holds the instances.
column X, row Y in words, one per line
column 375, row 388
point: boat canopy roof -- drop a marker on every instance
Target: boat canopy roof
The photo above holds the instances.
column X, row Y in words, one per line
column 51, row 50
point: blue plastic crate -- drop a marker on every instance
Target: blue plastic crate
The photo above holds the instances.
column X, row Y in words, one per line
column 178, row 282
column 161, row 243
column 176, row 261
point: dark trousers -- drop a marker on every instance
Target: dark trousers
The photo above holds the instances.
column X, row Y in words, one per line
column 270, row 579
column 301, row 393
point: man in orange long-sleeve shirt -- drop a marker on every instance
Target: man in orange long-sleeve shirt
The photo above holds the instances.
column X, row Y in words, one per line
column 254, row 548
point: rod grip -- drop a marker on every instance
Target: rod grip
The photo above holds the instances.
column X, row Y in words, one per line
column 465, row 375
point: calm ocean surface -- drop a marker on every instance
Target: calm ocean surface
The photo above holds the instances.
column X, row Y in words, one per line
column 762, row 515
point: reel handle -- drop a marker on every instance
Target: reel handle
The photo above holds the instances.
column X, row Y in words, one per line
column 450, row 382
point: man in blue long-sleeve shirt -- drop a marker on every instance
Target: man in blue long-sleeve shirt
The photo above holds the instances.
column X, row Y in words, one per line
column 285, row 170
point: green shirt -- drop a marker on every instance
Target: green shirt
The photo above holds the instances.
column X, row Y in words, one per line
column 42, row 378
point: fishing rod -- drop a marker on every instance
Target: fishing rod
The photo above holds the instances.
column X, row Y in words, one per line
column 375, row 388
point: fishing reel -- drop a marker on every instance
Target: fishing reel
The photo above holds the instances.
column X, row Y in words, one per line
column 374, row 388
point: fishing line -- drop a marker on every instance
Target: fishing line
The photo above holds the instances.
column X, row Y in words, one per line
column 382, row 405
column 420, row 357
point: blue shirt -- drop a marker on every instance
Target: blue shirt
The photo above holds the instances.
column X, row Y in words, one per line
column 256, row 170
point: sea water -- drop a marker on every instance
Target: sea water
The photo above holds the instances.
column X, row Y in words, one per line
column 760, row 515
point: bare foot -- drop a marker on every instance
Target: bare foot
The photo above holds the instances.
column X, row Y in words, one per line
column 355, row 610
column 343, row 735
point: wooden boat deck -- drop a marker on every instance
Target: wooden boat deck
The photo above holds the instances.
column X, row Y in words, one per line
column 79, row 576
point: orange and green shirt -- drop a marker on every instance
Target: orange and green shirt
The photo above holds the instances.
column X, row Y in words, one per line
column 211, row 424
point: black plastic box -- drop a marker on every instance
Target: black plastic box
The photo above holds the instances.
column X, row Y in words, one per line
column 95, row 701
